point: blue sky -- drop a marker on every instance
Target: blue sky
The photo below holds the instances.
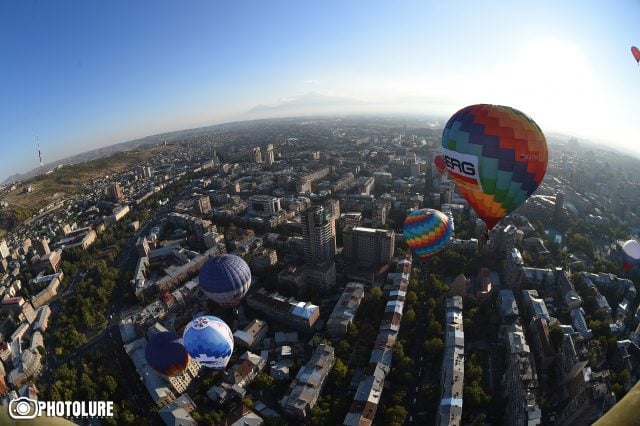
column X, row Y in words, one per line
column 83, row 74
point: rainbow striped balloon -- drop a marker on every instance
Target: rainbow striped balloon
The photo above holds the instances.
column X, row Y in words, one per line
column 496, row 155
column 426, row 232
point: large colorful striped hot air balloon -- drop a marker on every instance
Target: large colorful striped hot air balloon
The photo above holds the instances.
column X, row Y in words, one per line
column 225, row 279
column 209, row 341
column 426, row 232
column 439, row 161
column 496, row 155
column 630, row 254
column 166, row 354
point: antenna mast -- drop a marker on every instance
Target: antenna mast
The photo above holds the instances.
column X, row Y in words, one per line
column 40, row 157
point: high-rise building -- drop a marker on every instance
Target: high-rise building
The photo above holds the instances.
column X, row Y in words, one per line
column 319, row 236
column 368, row 245
column 380, row 213
column 448, row 189
column 319, row 247
column 559, row 207
column 334, row 207
column 203, row 204
column 115, row 192
column 257, row 155
column 4, row 249
column 270, row 154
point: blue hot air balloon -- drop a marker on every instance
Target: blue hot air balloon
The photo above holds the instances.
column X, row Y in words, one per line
column 166, row 354
column 225, row 279
column 209, row 341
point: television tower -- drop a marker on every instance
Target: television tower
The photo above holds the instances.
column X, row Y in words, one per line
column 40, row 158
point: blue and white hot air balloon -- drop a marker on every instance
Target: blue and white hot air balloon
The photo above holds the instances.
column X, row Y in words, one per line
column 630, row 254
column 209, row 341
column 225, row 279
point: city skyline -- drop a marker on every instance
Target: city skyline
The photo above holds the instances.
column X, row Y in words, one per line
column 348, row 279
column 83, row 76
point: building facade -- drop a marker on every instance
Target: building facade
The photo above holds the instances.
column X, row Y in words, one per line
column 115, row 193
column 368, row 245
column 318, row 234
column 263, row 205
column 203, row 204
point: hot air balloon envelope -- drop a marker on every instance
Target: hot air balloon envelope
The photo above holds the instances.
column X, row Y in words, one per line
column 630, row 254
column 636, row 53
column 439, row 161
column 166, row 354
column 426, row 232
column 225, row 279
column 209, row 341
column 496, row 155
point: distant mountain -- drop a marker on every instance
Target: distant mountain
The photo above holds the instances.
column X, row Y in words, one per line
column 309, row 103
column 13, row 178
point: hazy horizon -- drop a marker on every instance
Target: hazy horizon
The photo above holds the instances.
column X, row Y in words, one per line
column 80, row 76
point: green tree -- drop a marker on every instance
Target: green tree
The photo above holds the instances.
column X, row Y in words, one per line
column 409, row 318
column 263, row 381
column 430, row 392
column 475, row 396
column 110, row 384
column 343, row 349
column 624, row 376
column 473, row 371
column 431, row 304
column 127, row 417
column 433, row 347
column 398, row 350
column 376, row 293
column 340, row 370
column 412, row 297
column 395, row 415
column 433, row 328
column 399, row 397
column 248, row 402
